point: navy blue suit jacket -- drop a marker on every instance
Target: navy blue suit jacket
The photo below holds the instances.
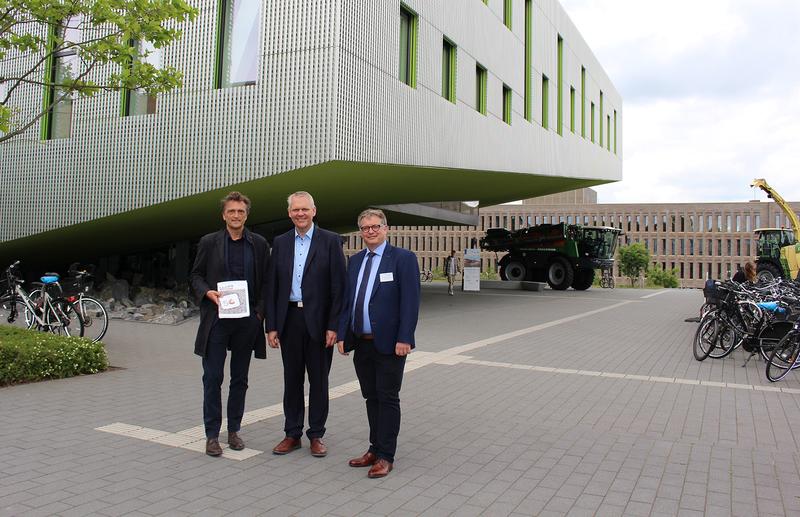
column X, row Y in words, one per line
column 394, row 304
column 323, row 282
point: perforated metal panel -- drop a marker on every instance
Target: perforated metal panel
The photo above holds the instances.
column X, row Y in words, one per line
column 328, row 90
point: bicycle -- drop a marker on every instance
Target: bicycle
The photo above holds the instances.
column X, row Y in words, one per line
column 47, row 313
column 426, row 275
column 784, row 357
column 90, row 310
column 607, row 280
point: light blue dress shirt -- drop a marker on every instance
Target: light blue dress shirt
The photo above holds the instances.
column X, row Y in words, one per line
column 376, row 262
column 302, row 243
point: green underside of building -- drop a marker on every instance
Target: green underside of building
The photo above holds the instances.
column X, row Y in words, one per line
column 340, row 189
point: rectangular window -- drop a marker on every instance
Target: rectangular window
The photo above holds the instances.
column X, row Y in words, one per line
column 559, row 85
column 572, row 109
column 138, row 101
column 600, row 120
column 238, row 43
column 528, row 59
column 60, row 68
column 480, row 89
column 448, row 70
column 507, row 13
column 608, row 132
column 506, row 104
column 408, row 47
column 615, row 131
column 583, row 102
column 592, row 121
column 545, row 101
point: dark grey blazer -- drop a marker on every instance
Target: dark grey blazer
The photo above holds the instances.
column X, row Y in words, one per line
column 209, row 268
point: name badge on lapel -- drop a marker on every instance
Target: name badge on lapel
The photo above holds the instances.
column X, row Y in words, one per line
column 387, row 277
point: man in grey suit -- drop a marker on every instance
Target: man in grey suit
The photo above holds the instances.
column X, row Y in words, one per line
column 233, row 253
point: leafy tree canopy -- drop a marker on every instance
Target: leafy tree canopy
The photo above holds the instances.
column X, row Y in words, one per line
column 633, row 259
column 95, row 45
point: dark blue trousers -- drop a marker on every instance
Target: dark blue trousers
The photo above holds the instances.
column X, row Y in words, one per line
column 380, row 376
column 238, row 336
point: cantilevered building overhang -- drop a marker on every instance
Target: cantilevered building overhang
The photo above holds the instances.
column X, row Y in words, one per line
column 390, row 104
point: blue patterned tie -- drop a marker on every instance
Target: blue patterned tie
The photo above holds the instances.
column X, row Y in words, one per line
column 358, row 317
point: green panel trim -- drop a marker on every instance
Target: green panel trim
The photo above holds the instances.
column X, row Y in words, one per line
column 528, row 58
column 608, row 132
column 334, row 185
column 592, row 120
column 559, row 85
column 220, row 44
column 572, row 109
column 507, row 98
column 615, row 131
column 583, row 102
column 413, row 63
column 545, row 102
column 480, row 89
column 507, row 13
column 449, row 70
column 601, row 118
column 49, row 89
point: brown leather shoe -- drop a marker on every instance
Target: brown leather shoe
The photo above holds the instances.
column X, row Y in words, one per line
column 380, row 469
column 318, row 449
column 234, row 441
column 286, row 446
column 367, row 460
column 213, row 448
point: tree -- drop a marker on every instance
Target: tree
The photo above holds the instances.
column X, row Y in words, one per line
column 662, row 277
column 633, row 259
column 82, row 47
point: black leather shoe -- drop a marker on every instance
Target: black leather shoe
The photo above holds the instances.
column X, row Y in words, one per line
column 213, row 448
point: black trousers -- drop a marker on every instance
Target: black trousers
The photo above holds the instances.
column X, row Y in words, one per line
column 380, row 376
column 300, row 354
column 238, row 336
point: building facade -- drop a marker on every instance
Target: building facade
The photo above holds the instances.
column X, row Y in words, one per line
column 699, row 240
column 402, row 105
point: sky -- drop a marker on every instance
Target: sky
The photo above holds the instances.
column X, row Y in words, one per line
column 710, row 92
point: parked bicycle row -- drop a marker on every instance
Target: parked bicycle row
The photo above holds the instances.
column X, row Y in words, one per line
column 763, row 319
column 55, row 304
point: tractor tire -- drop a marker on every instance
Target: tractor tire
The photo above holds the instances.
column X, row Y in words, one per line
column 515, row 270
column 583, row 279
column 768, row 272
column 502, row 273
column 559, row 274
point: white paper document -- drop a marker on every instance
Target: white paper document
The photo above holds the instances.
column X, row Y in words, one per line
column 234, row 299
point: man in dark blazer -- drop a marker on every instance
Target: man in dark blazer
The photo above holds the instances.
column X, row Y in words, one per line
column 307, row 279
column 379, row 321
column 233, row 253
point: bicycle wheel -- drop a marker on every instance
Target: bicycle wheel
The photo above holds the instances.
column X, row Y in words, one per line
column 705, row 337
column 35, row 298
column 726, row 340
column 783, row 358
column 67, row 321
column 9, row 302
column 770, row 336
column 94, row 316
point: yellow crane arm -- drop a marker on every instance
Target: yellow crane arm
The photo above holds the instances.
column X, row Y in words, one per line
column 762, row 184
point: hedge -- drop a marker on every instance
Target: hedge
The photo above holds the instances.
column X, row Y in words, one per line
column 27, row 356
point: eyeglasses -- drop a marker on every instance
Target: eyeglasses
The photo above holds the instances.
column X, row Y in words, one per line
column 371, row 227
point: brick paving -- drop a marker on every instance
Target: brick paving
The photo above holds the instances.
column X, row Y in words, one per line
column 516, row 403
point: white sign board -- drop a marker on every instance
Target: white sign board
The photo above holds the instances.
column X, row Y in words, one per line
column 472, row 269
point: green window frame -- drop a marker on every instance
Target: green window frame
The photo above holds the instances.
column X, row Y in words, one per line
column 572, row 108
column 507, row 104
column 545, row 102
column 583, row 101
column 139, row 102
column 592, row 121
column 237, row 60
column 615, row 131
column 528, row 111
column 608, row 132
column 481, row 76
column 507, row 13
column 57, row 121
column 601, row 118
column 449, row 70
column 559, row 85
column 409, row 23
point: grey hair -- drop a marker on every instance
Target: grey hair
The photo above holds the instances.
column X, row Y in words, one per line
column 373, row 212
column 300, row 193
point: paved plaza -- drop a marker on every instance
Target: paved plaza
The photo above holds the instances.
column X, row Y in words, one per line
column 514, row 403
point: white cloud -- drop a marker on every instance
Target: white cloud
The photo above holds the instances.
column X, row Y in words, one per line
column 710, row 95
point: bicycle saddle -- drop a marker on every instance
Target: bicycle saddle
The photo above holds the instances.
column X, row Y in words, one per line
column 49, row 278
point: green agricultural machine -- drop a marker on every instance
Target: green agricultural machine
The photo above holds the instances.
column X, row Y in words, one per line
column 562, row 255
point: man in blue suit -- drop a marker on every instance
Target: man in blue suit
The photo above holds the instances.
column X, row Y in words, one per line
column 381, row 314
column 306, row 276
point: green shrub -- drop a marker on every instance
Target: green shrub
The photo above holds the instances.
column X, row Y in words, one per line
column 490, row 274
column 27, row 355
column 657, row 276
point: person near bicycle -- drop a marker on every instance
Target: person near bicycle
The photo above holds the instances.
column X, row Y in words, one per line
column 231, row 254
column 451, row 269
column 746, row 275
